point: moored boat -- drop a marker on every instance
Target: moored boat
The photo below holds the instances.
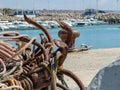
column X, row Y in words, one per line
column 3, row 27
column 21, row 25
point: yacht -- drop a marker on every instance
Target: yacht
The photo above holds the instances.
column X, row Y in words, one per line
column 93, row 21
column 3, row 27
column 21, row 25
column 80, row 22
column 11, row 26
column 45, row 24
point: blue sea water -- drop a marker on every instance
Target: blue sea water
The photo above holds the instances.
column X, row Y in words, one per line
column 97, row 36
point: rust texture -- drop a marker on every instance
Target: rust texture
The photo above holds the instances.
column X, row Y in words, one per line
column 68, row 35
column 31, row 65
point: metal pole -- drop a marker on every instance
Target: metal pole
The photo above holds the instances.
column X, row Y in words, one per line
column 83, row 5
column 96, row 5
column 117, row 4
column 48, row 5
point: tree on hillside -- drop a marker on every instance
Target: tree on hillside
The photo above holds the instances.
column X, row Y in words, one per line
column 8, row 11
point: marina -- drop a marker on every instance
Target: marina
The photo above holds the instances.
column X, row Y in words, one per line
column 97, row 36
column 22, row 25
column 59, row 45
column 91, row 31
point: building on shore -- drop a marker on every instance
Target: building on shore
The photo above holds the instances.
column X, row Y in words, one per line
column 29, row 13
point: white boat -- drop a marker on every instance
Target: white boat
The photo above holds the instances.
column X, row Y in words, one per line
column 45, row 24
column 52, row 24
column 73, row 22
column 93, row 21
column 11, row 26
column 89, row 21
column 3, row 27
column 80, row 22
column 23, row 25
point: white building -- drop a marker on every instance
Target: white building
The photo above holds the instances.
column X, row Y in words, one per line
column 29, row 13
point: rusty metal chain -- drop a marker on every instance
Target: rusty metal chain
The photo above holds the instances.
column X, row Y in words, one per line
column 31, row 65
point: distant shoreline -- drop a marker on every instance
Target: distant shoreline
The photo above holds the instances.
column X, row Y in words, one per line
column 111, row 18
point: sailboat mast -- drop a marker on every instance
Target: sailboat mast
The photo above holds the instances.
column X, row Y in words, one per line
column 97, row 5
column 83, row 5
column 117, row 1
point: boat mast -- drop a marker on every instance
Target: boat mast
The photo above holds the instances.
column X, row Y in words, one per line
column 83, row 5
column 33, row 7
column 48, row 5
column 117, row 1
column 97, row 5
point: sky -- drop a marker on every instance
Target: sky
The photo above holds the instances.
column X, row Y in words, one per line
column 61, row 4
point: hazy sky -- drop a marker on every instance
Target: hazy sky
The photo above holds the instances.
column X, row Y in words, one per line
column 60, row 4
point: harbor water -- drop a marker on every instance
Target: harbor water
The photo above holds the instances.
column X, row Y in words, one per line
column 97, row 36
